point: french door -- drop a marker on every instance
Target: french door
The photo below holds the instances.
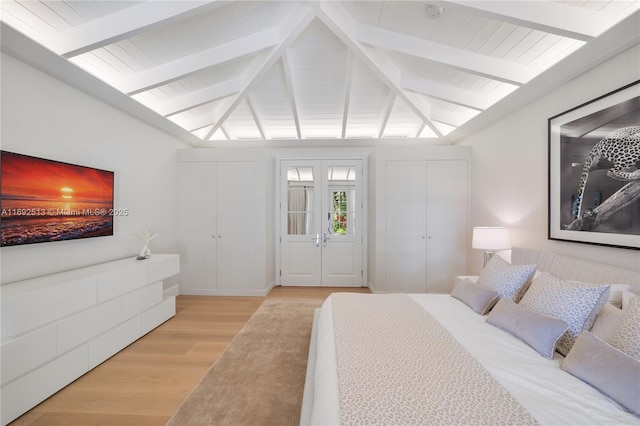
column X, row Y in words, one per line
column 321, row 220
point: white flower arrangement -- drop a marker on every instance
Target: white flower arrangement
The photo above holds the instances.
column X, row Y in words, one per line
column 145, row 237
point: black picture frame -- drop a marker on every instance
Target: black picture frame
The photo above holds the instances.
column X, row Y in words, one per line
column 589, row 149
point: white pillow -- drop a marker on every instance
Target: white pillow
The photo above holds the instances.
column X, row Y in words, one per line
column 607, row 322
column 506, row 279
column 627, row 335
column 615, row 294
column 626, row 295
column 604, row 297
column 570, row 302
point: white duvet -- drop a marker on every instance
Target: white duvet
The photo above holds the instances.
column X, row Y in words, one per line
column 551, row 395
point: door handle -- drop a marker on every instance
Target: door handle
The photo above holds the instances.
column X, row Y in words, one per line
column 317, row 240
column 324, row 240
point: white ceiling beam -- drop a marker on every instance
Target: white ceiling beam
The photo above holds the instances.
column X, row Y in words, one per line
column 347, row 93
column 26, row 50
column 471, row 62
column 417, row 103
column 292, row 94
column 224, row 132
column 291, row 27
column 256, row 117
column 546, row 16
column 194, row 123
column 123, row 24
column 199, row 97
column 447, row 93
column 387, row 113
column 611, row 43
column 448, row 117
column 347, row 29
column 182, row 67
column 228, row 105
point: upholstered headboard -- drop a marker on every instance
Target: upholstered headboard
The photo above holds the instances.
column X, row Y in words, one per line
column 571, row 268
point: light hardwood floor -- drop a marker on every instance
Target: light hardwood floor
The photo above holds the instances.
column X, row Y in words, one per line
column 145, row 383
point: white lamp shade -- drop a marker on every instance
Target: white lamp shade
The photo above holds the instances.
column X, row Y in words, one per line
column 491, row 238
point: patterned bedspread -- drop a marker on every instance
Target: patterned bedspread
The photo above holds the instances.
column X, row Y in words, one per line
column 398, row 366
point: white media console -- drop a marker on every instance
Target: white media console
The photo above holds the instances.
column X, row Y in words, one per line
column 57, row 327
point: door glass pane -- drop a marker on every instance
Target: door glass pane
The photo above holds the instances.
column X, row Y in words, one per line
column 300, row 193
column 342, row 208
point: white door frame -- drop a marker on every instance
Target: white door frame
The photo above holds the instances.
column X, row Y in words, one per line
column 365, row 207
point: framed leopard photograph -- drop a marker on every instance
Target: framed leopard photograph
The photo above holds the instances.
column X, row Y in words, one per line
column 594, row 171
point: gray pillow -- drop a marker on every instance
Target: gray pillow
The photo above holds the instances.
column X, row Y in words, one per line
column 505, row 278
column 540, row 332
column 606, row 368
column 570, row 302
column 480, row 299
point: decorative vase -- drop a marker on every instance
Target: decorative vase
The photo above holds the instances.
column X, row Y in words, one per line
column 145, row 237
column 145, row 252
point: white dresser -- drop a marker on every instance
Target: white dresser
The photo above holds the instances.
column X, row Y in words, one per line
column 57, row 327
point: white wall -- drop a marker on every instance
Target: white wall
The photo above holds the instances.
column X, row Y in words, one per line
column 509, row 165
column 44, row 117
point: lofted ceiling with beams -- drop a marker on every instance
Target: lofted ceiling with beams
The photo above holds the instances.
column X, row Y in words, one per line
column 315, row 69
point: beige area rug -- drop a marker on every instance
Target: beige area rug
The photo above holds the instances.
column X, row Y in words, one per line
column 259, row 378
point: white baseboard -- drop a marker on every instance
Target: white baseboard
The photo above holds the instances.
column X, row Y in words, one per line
column 231, row 292
column 372, row 289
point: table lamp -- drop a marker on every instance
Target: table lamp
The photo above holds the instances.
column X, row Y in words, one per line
column 490, row 238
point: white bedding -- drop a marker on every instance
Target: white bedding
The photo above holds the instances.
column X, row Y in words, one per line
column 550, row 394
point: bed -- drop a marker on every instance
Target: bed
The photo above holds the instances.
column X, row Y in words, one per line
column 449, row 365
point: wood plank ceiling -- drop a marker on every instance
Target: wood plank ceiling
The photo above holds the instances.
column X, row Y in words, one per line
column 315, row 69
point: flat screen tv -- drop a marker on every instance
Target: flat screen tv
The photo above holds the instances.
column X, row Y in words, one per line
column 44, row 200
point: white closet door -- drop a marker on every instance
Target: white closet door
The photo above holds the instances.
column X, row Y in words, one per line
column 406, row 226
column 197, row 236
column 218, row 227
column 426, row 224
column 446, row 223
column 236, row 226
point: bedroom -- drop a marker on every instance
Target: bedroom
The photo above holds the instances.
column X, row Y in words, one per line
column 45, row 117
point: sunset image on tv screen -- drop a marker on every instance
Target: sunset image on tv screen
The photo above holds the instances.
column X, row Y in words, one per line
column 44, row 200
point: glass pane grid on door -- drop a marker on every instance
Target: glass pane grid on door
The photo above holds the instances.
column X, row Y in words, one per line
column 300, row 204
column 300, row 210
column 343, row 214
